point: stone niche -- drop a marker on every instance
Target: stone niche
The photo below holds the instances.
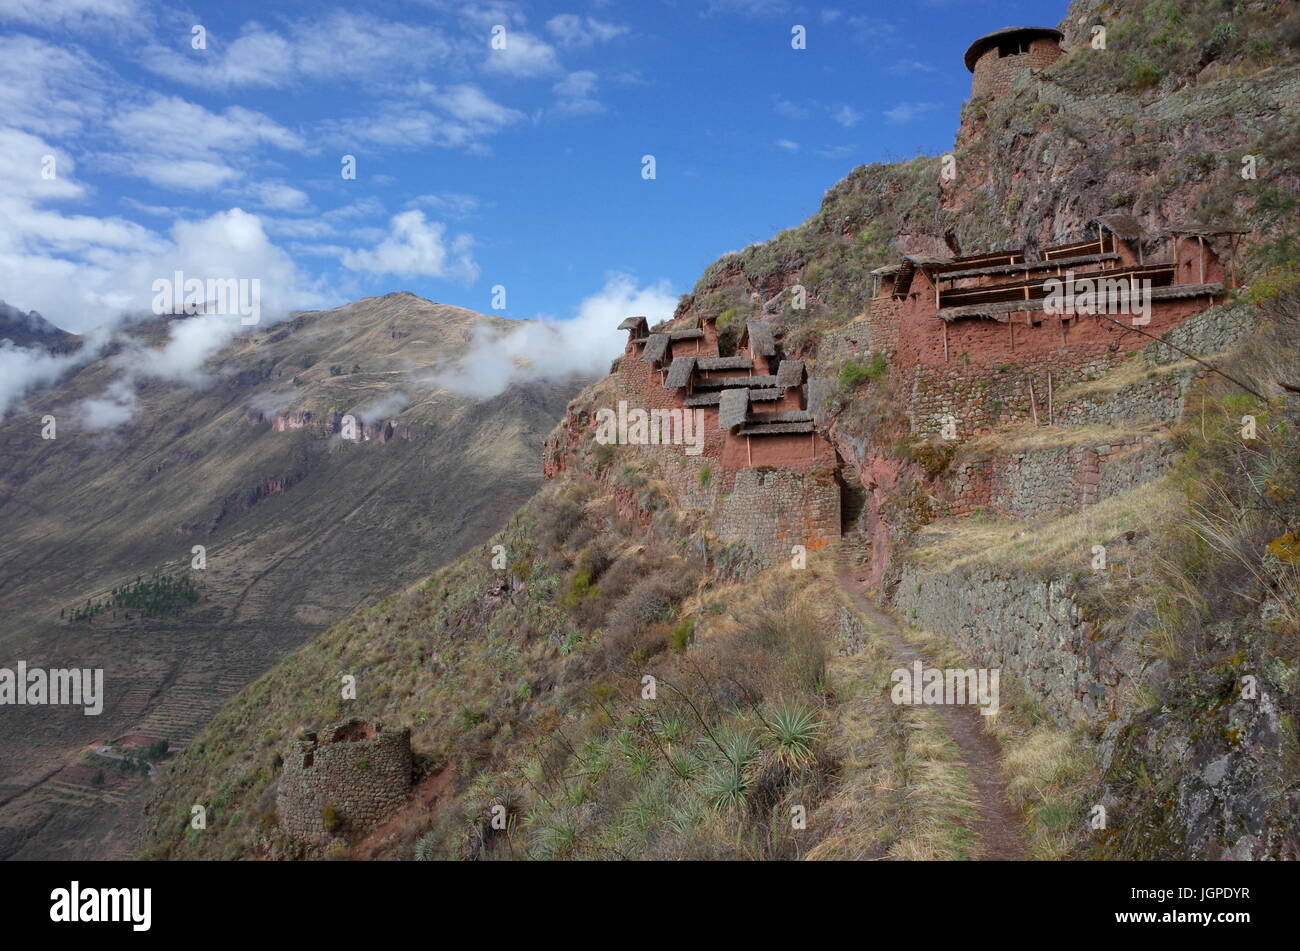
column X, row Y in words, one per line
column 360, row 770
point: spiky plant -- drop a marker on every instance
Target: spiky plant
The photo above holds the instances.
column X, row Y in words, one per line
column 426, row 848
column 796, row 730
column 556, row 838
column 724, row 786
column 739, row 746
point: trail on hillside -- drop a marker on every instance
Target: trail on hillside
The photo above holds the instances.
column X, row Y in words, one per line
column 998, row 827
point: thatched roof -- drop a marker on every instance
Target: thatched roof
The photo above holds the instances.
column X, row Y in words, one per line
column 763, row 396
column 786, row 416
column 774, row 429
column 656, row 348
column 1025, row 268
column 703, row 399
column 977, row 48
column 749, row 381
column 679, row 373
column 686, row 335
column 758, row 337
column 790, row 373
column 1196, row 227
column 634, row 324
column 726, row 363
column 1122, row 226
column 732, row 408
column 1000, row 311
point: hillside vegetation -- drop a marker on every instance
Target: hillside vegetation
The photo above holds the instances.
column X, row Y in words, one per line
column 770, row 732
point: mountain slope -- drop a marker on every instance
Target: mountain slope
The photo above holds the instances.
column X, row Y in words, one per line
column 1121, row 690
column 299, row 526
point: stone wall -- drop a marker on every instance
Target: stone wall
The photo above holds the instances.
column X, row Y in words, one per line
column 772, row 510
column 1051, row 480
column 994, row 74
column 1159, row 397
column 1029, row 628
column 1211, row 331
column 361, row 770
column 979, row 397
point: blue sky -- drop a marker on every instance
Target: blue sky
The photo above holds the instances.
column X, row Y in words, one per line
column 475, row 167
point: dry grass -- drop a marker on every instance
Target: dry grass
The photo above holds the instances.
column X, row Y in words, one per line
column 1047, row 546
column 1049, row 768
column 1131, row 371
column 1027, row 437
column 902, row 793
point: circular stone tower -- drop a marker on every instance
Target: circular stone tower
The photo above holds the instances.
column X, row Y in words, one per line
column 359, row 770
column 995, row 59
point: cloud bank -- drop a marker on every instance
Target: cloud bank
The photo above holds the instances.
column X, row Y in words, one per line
column 555, row 350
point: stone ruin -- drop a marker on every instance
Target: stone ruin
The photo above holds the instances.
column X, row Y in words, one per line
column 360, row 770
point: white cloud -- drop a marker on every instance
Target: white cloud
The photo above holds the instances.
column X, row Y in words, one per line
column 471, row 104
column 465, row 117
column 786, row 145
column 175, row 126
column 48, row 89
column 82, row 271
column 789, row 109
column 834, row 151
column 451, row 204
column 576, row 94
column 904, row 66
column 846, row 116
column 173, row 143
column 555, row 350
column 341, row 45
column 908, row 111
column 279, row 197
column 415, row 246
column 114, row 407
column 571, row 30
column 23, row 369
column 73, row 14
column 752, row 8
column 383, row 407
column 524, row 55
column 183, row 174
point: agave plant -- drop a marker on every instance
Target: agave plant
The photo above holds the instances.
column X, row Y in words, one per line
column 724, row 786
column 425, row 848
column 796, row 730
column 557, row 838
column 739, row 745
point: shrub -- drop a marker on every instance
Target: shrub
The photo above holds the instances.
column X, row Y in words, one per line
column 332, row 819
column 853, row 374
column 681, row 636
column 1143, row 75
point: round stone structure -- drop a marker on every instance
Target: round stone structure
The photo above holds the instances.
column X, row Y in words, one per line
column 359, row 770
column 997, row 57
